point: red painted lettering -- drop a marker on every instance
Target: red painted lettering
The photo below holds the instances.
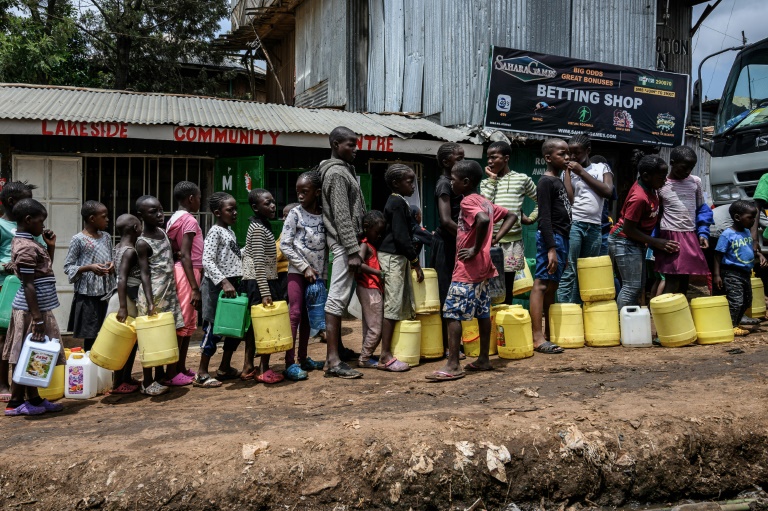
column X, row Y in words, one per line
column 72, row 129
column 178, row 133
column 274, row 135
column 123, row 131
column 370, row 139
column 95, row 129
column 205, row 134
column 46, row 131
column 191, row 134
column 243, row 137
column 380, row 143
column 261, row 137
column 220, row 136
column 360, row 143
column 389, row 145
column 232, row 136
column 61, row 128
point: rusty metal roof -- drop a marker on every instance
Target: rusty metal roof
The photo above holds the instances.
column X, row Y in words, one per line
column 38, row 102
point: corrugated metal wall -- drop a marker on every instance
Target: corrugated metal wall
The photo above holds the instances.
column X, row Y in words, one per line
column 357, row 50
column 673, row 37
column 282, row 57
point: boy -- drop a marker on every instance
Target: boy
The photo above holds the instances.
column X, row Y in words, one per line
column 343, row 210
column 551, row 239
column 507, row 188
column 589, row 184
column 12, row 193
column 734, row 260
column 468, row 294
column 187, row 241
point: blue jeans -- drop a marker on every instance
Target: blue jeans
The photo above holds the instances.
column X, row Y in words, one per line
column 542, row 258
column 584, row 241
column 629, row 258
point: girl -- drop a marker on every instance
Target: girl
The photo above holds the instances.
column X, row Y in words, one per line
column 34, row 303
column 89, row 266
column 303, row 244
column 370, row 288
column 681, row 197
column 259, row 277
column 158, row 285
column 223, row 271
column 124, row 301
column 631, row 234
column 396, row 256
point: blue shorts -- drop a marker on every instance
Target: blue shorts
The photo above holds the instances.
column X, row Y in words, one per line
column 466, row 301
column 561, row 247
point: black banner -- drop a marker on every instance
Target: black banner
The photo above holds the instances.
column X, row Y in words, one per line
column 560, row 96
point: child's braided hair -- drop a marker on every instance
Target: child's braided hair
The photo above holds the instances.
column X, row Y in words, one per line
column 217, row 199
column 396, row 172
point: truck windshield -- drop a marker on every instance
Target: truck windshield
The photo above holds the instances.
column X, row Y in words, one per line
column 745, row 99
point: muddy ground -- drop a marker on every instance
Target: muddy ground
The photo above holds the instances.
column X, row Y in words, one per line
column 591, row 427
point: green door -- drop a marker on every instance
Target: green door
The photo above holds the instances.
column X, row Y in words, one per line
column 239, row 176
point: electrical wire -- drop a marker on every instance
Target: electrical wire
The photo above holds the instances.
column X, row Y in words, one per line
column 722, row 44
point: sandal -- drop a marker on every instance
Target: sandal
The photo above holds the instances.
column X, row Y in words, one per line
column 472, row 367
column 311, row 365
column 124, row 388
column 368, row 364
column 269, row 377
column 444, row 376
column 346, row 354
column 249, row 375
column 155, row 389
column 206, row 382
column 295, row 373
column 189, row 372
column 179, row 380
column 342, row 370
column 549, row 348
column 394, row 366
column 230, row 374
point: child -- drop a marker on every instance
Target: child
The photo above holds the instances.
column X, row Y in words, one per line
column 34, row 303
column 632, row 232
column 89, row 266
column 507, row 188
column 303, row 243
column 468, row 294
column 343, row 210
column 223, row 271
column 734, row 260
column 681, row 197
column 259, row 277
column 551, row 239
column 420, row 236
column 589, row 184
column 370, row 288
column 187, row 241
column 11, row 193
column 123, row 302
column 158, row 285
column 282, row 261
column 396, row 257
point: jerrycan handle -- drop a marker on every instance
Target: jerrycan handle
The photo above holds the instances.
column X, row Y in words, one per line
column 631, row 310
column 28, row 338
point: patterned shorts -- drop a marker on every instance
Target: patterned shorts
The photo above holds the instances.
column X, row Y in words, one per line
column 514, row 255
column 466, row 301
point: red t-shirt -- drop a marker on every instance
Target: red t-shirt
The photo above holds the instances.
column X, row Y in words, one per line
column 641, row 206
column 480, row 267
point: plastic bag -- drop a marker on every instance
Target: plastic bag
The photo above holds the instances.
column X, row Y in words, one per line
column 314, row 299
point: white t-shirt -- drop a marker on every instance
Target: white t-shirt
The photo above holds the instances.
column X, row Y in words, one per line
column 587, row 204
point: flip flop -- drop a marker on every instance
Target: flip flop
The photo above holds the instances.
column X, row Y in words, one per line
column 4, row 398
column 549, row 348
column 342, row 370
column 472, row 367
column 206, row 382
column 269, row 377
column 443, row 376
column 229, row 374
column 394, row 366
column 124, row 388
column 250, row 375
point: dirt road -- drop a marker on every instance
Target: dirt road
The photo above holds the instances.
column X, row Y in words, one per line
column 592, row 426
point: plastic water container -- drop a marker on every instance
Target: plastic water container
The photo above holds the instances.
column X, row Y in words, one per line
column 635, row 327
column 406, row 342
column 37, row 361
column 601, row 324
column 514, row 337
column 271, row 328
column 596, row 279
column 81, row 381
column 497, row 285
column 493, row 350
column 426, row 296
column 157, row 339
column 470, row 336
column 232, row 318
column 673, row 320
column 114, row 343
column 566, row 325
column 523, row 281
column 431, row 335
column 712, row 319
column 11, row 286
column 757, row 310
column 103, row 378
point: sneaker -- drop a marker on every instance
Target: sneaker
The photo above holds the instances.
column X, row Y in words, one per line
column 310, row 365
column 51, row 407
column 740, row 332
column 26, row 408
column 294, row 372
column 155, row 389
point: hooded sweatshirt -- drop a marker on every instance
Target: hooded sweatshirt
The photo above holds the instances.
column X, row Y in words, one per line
column 343, row 205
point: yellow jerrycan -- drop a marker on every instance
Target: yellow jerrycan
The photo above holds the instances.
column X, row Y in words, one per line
column 406, row 342
column 431, row 335
column 55, row 389
column 426, row 297
column 601, row 324
column 271, row 328
column 494, row 312
column 156, row 336
column 514, row 337
column 596, row 279
column 523, row 281
column 712, row 319
column 757, row 310
column 673, row 320
column 470, row 336
column 566, row 325
column 114, row 343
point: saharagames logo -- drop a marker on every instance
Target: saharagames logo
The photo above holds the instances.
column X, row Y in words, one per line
column 525, row 69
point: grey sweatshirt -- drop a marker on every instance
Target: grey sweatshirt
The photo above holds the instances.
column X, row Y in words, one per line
column 343, row 205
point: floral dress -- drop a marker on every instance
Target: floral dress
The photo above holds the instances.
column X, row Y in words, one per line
column 163, row 282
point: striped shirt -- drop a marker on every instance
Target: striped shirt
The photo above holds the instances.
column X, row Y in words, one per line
column 260, row 256
column 29, row 258
column 509, row 192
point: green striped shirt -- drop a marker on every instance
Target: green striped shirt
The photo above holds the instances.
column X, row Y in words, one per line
column 509, row 192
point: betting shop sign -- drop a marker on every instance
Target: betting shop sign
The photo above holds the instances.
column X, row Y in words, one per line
column 559, row 96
